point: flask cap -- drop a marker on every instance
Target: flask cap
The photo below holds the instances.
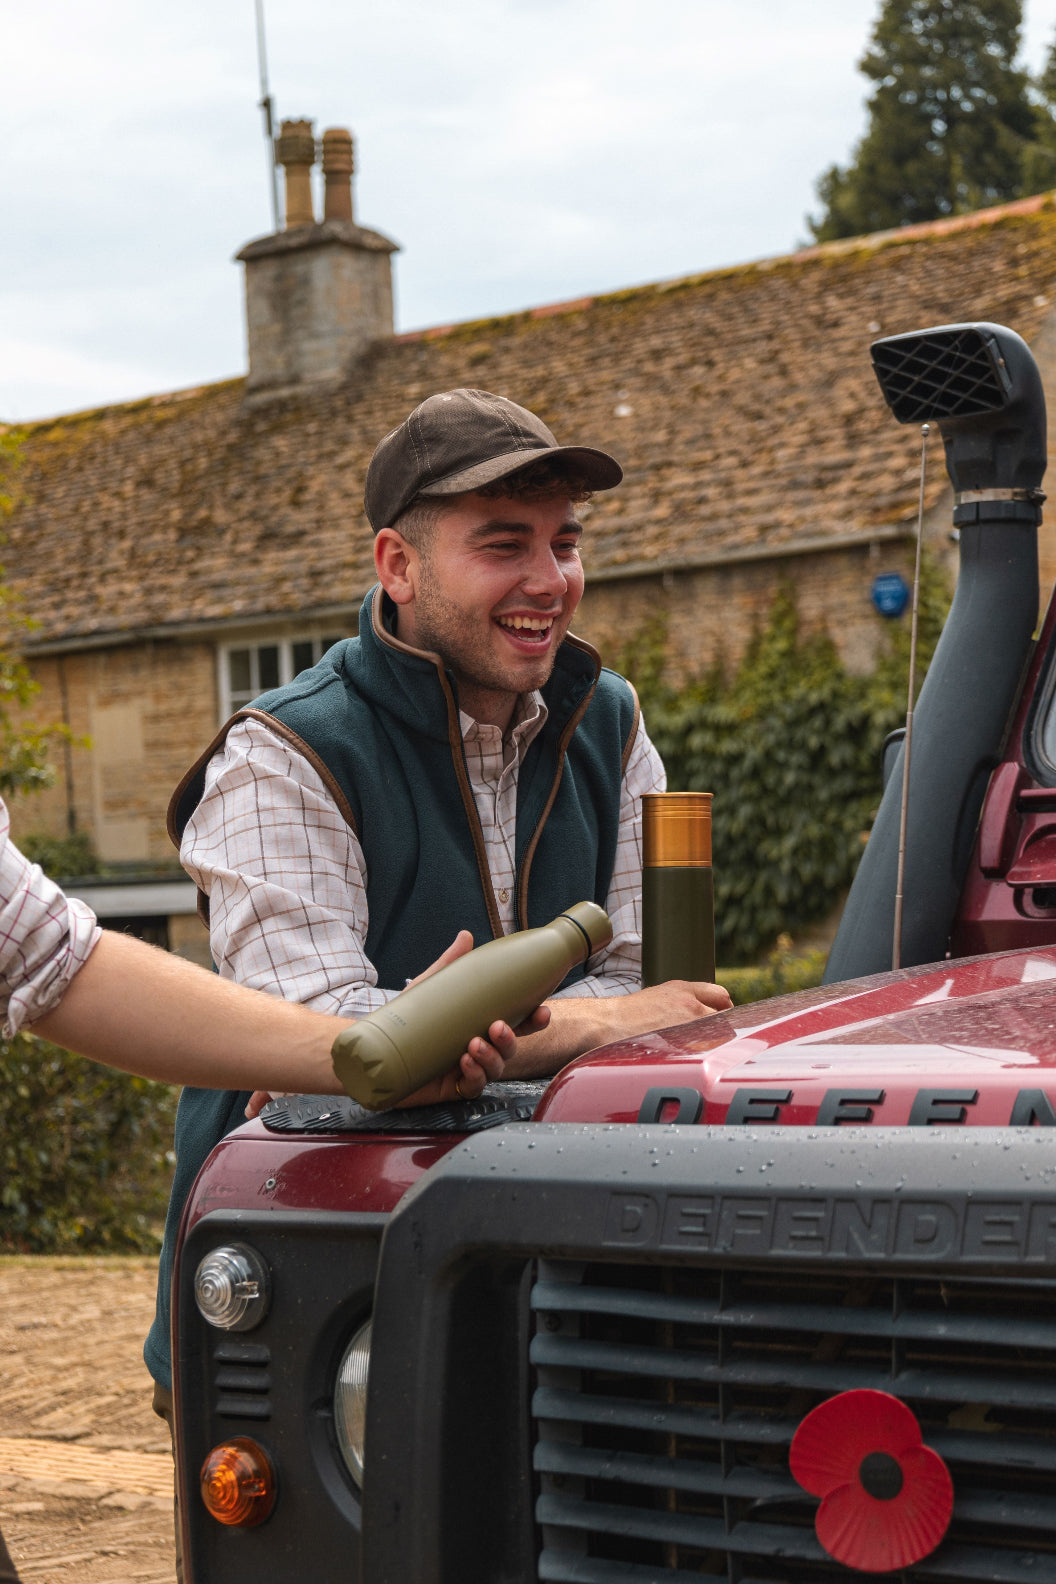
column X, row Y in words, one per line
column 594, row 923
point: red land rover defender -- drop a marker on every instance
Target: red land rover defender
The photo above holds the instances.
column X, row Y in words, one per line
column 767, row 1298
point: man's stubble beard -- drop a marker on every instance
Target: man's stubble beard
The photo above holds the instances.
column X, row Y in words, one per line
column 443, row 627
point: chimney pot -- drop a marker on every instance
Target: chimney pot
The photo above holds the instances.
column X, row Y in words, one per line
column 338, row 165
column 295, row 151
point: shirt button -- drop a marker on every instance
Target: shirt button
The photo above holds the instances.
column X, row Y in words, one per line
column 504, row 895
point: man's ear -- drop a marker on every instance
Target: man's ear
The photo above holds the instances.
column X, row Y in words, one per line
column 396, row 563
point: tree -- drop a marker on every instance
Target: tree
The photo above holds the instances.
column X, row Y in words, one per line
column 952, row 125
column 1039, row 165
column 23, row 746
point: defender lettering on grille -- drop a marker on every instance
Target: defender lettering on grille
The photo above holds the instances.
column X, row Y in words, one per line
column 933, row 1229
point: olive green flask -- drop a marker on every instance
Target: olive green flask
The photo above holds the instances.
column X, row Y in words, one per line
column 678, row 900
column 422, row 1032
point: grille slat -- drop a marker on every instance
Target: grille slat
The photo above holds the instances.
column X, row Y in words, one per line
column 556, row 1457
column 914, row 1385
column 622, row 1412
column 987, row 1563
column 563, row 1568
column 1009, row 1511
column 561, row 1297
column 242, row 1380
column 233, row 1405
column 700, row 1534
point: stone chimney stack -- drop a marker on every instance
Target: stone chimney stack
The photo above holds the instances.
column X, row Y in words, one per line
column 319, row 293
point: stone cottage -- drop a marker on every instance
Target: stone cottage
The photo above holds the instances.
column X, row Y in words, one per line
column 182, row 552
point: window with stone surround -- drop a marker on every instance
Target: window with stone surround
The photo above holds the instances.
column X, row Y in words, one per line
column 247, row 669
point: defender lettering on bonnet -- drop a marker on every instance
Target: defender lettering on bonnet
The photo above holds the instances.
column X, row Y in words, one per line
column 1031, row 1107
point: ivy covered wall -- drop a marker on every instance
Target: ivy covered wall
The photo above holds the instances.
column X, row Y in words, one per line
column 789, row 744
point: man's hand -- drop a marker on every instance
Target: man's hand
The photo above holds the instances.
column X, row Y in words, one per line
column 484, row 1062
column 581, row 1023
column 663, row 1005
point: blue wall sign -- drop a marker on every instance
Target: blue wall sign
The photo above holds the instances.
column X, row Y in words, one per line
column 890, row 593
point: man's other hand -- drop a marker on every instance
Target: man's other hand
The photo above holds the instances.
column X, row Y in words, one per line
column 582, row 1023
column 664, row 1005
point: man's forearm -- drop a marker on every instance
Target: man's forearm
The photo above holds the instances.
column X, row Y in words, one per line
column 141, row 1009
column 574, row 1027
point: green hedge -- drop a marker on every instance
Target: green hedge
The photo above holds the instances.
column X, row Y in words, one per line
column 85, row 1156
column 61, row 856
column 85, row 1153
column 782, row 972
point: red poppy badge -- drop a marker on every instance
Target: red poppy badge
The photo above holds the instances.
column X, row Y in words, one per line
column 886, row 1499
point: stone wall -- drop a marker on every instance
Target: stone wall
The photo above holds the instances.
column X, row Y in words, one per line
column 147, row 710
column 711, row 613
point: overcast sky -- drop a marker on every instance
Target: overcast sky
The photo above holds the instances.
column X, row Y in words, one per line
column 519, row 151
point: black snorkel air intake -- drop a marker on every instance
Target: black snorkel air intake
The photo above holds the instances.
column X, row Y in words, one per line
column 980, row 383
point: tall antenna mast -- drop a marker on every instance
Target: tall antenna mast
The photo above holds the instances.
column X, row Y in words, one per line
column 907, row 748
column 265, row 105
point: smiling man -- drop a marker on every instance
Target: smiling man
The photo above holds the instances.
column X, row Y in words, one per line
column 461, row 769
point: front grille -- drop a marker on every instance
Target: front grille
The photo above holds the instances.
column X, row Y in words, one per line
column 945, row 373
column 666, row 1399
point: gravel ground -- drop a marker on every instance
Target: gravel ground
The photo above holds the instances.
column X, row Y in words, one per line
column 73, row 1388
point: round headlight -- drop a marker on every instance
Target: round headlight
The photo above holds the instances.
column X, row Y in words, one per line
column 350, row 1401
column 231, row 1288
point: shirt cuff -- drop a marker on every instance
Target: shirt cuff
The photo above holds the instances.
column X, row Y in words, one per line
column 41, row 993
column 599, row 986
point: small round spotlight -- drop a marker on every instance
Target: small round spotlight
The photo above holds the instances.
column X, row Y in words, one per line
column 231, row 1288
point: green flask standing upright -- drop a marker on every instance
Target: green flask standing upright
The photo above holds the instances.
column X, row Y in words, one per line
column 678, row 900
column 422, row 1032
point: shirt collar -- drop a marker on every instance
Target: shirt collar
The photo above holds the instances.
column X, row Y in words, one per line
column 529, row 718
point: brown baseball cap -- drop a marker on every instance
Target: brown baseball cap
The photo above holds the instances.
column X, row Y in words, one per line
column 459, row 440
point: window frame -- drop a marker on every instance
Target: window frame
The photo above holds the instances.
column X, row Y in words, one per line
column 319, row 639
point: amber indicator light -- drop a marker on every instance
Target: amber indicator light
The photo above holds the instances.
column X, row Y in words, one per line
column 238, row 1483
column 676, row 830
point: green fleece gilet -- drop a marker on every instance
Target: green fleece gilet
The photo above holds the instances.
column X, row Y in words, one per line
column 380, row 723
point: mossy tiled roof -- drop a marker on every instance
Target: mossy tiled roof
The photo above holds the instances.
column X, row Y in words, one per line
column 740, row 402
